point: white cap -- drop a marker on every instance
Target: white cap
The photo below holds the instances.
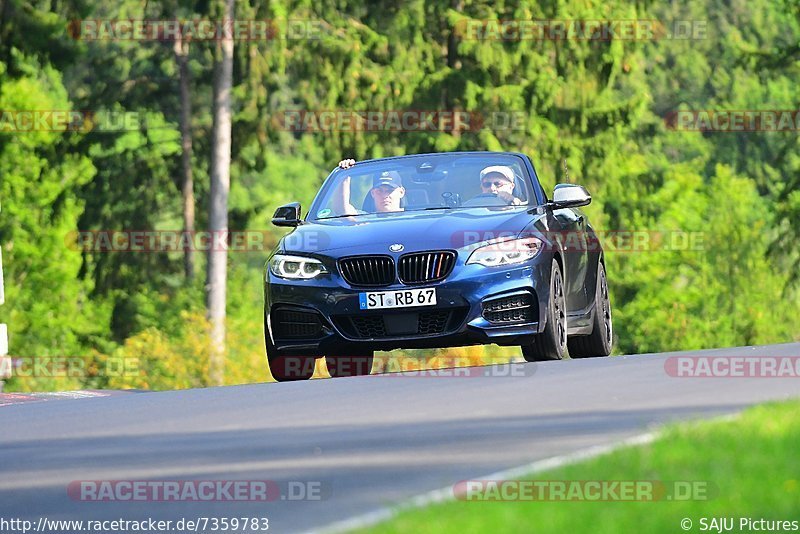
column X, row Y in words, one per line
column 500, row 169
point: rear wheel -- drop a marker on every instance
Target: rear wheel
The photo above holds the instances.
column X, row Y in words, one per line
column 357, row 364
column 598, row 343
column 552, row 342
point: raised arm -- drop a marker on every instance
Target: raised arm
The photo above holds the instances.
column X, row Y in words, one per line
column 340, row 202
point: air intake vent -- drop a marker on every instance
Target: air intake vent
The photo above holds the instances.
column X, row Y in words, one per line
column 371, row 271
column 293, row 324
column 509, row 310
column 424, row 267
column 401, row 324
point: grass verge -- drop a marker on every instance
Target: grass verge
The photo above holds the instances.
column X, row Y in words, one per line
column 750, row 466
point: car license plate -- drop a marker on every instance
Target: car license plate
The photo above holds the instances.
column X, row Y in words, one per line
column 405, row 298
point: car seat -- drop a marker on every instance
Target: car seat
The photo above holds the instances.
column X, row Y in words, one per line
column 417, row 198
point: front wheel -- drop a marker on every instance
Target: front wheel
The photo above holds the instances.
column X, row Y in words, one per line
column 287, row 367
column 552, row 342
column 290, row 367
column 598, row 343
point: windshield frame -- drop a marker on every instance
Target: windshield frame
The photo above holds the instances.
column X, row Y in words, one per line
column 535, row 190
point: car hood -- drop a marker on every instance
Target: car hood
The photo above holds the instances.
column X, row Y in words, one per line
column 417, row 230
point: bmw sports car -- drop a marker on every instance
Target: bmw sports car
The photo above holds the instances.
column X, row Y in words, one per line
column 434, row 250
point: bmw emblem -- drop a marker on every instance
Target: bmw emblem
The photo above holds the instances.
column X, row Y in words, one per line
column 397, row 247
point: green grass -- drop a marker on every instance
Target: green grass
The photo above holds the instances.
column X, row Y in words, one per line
column 751, row 464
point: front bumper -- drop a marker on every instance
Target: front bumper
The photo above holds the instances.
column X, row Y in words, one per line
column 457, row 319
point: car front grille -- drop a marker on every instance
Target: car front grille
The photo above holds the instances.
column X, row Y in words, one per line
column 369, row 327
column 424, row 267
column 510, row 310
column 400, row 324
column 294, row 324
column 371, row 271
column 433, row 322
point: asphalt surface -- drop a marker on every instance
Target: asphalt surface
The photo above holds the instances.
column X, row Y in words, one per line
column 359, row 443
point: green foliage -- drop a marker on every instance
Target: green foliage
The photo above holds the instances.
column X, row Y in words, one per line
column 49, row 306
column 599, row 105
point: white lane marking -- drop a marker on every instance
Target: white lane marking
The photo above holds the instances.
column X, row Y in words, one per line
column 9, row 399
column 43, row 477
column 380, row 515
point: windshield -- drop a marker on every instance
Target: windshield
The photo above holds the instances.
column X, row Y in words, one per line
column 441, row 181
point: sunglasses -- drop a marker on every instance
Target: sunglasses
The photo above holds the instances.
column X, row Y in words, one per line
column 486, row 184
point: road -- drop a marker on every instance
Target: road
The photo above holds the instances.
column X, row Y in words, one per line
column 360, row 443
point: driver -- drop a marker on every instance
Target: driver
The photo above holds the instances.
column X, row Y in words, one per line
column 499, row 180
column 387, row 191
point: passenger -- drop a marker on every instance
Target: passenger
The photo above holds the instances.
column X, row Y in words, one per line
column 387, row 191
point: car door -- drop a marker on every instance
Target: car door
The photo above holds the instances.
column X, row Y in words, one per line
column 572, row 234
column 570, row 224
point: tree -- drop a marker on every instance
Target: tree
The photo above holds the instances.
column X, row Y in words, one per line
column 218, row 200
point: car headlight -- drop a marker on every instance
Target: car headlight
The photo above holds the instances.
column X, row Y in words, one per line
column 296, row 267
column 506, row 252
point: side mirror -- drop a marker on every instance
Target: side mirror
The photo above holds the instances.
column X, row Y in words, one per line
column 287, row 215
column 570, row 196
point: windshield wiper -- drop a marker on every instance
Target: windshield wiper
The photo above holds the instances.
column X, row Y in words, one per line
column 373, row 213
column 340, row 216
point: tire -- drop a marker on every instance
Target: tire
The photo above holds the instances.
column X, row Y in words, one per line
column 551, row 344
column 358, row 364
column 287, row 367
column 290, row 367
column 598, row 343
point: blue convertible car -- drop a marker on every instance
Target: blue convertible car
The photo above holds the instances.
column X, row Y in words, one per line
column 434, row 250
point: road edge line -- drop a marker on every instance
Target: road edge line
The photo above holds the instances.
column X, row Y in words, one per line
column 445, row 494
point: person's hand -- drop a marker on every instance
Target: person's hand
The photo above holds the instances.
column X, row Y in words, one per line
column 346, row 163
